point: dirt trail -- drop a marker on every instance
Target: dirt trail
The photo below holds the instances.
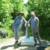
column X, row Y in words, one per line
column 7, row 44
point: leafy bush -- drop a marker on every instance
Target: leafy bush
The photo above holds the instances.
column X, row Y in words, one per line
column 42, row 10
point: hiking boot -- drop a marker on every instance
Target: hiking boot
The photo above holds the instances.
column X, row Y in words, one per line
column 16, row 45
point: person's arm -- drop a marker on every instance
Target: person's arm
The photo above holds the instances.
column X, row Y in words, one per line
column 25, row 21
column 29, row 21
column 14, row 22
column 37, row 22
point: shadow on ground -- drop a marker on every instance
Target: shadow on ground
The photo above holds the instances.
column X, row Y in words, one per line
column 19, row 48
column 4, row 47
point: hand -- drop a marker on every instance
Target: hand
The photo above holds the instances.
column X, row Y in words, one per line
column 28, row 25
column 25, row 24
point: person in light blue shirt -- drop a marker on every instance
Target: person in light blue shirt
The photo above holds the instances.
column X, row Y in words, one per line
column 34, row 21
column 18, row 23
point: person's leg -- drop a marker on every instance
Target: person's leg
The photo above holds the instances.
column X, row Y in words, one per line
column 38, row 37
column 33, row 31
column 16, row 37
column 35, row 39
column 16, row 31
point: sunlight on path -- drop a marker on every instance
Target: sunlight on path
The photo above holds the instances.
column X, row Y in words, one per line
column 21, row 48
column 7, row 42
column 48, row 48
column 11, row 41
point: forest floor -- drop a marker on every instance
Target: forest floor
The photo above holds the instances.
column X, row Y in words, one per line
column 7, row 44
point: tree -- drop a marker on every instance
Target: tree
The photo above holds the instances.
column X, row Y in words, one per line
column 42, row 9
column 5, row 14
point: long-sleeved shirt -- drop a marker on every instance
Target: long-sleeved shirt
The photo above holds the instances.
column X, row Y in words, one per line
column 34, row 21
column 18, row 22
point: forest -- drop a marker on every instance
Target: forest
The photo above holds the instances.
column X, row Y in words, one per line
column 8, row 9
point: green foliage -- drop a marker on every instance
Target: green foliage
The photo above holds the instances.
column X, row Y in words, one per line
column 6, row 8
column 5, row 18
column 19, row 6
column 42, row 10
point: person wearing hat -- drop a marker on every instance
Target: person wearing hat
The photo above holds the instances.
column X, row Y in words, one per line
column 19, row 20
column 34, row 21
